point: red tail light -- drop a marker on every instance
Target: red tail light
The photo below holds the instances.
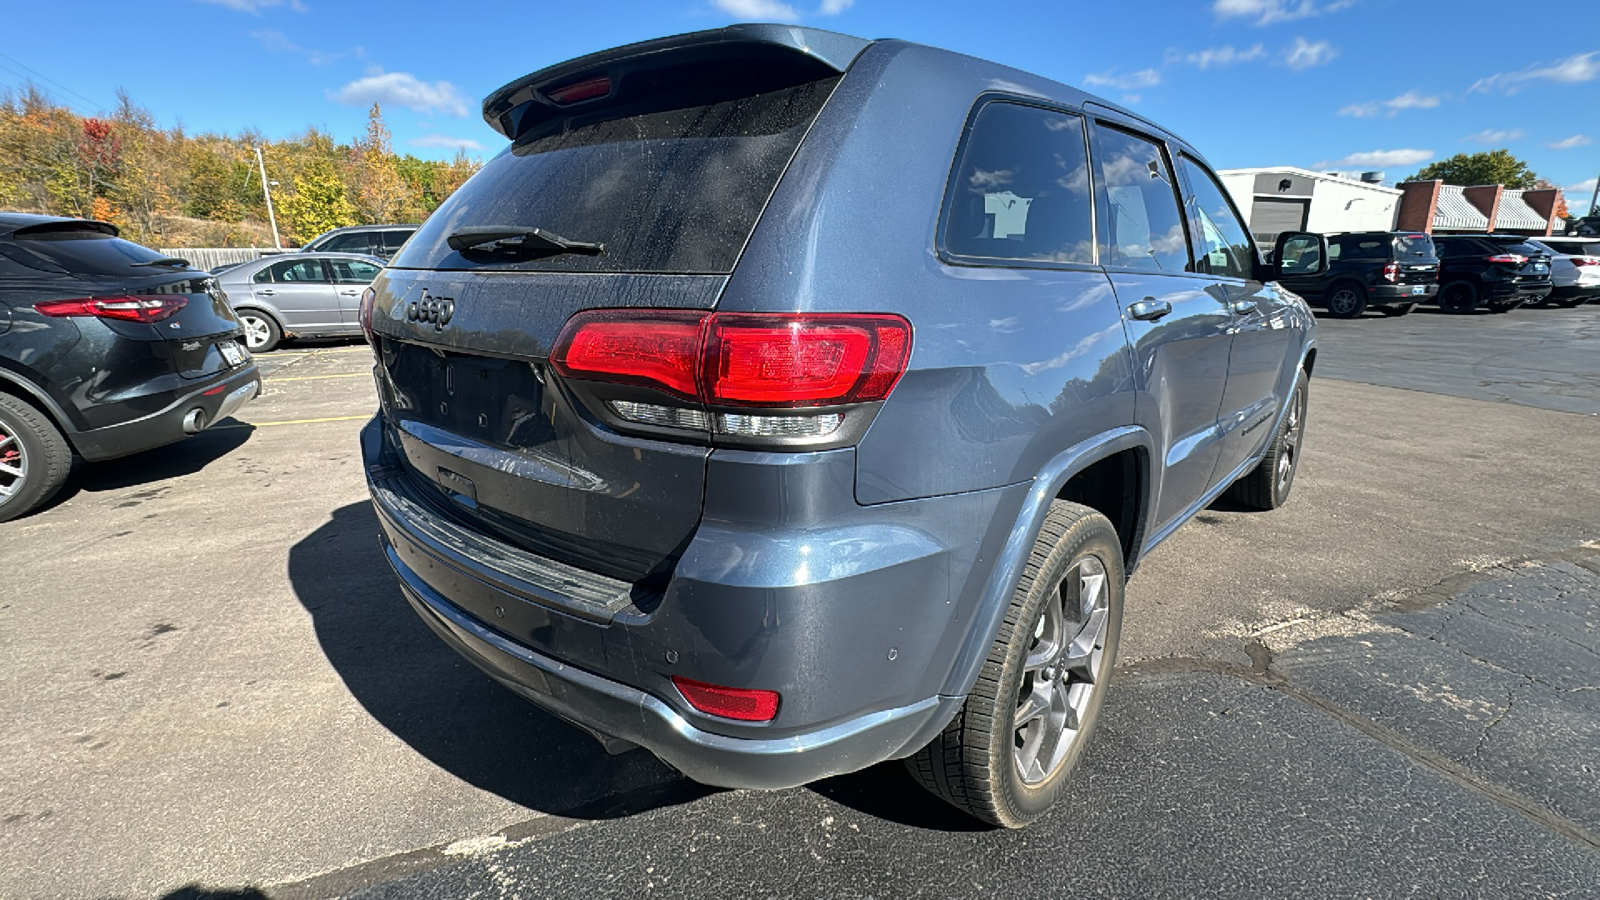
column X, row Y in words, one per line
column 744, row 704
column 368, row 297
column 740, row 359
column 580, row 91
column 1586, row 260
column 145, row 308
column 1516, row 258
column 1391, row 272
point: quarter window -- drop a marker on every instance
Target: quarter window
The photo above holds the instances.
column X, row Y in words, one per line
column 1021, row 191
column 1223, row 246
column 1140, row 225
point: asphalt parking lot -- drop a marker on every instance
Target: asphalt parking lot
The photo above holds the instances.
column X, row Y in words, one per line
column 1391, row 687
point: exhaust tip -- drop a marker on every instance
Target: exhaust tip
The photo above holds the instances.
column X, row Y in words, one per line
column 195, row 421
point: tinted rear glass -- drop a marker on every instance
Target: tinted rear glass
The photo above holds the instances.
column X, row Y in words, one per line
column 1526, row 248
column 87, row 253
column 1413, row 245
column 667, row 190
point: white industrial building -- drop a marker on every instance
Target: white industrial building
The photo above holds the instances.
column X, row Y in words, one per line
column 1283, row 199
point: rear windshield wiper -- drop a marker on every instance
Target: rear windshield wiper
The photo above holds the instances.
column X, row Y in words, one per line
column 529, row 240
column 173, row 261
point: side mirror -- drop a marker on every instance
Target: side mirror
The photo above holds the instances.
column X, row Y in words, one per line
column 1299, row 253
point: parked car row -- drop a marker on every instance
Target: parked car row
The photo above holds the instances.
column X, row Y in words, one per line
column 1394, row 272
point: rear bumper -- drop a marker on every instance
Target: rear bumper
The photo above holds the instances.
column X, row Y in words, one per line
column 1572, row 291
column 848, row 616
column 613, row 711
column 214, row 402
column 1382, row 294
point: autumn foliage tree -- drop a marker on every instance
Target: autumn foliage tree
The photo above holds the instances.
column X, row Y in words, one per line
column 166, row 188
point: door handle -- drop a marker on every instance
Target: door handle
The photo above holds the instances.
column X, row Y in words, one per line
column 1150, row 309
column 266, row 293
column 349, row 293
column 1243, row 306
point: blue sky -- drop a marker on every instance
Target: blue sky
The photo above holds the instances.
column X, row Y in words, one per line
column 1349, row 84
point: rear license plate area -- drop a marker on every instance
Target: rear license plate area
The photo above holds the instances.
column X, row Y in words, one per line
column 489, row 399
column 232, row 353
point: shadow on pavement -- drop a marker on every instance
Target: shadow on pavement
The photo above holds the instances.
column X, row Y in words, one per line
column 888, row 792
column 441, row 705
column 185, row 457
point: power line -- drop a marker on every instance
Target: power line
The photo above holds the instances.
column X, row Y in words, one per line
column 58, row 84
column 54, row 97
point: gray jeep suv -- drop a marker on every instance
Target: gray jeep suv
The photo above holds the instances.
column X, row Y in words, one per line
column 784, row 403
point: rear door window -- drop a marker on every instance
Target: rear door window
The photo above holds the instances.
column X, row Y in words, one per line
column 306, row 271
column 352, row 271
column 1021, row 190
column 1140, row 225
column 671, row 183
column 1222, row 244
column 355, row 242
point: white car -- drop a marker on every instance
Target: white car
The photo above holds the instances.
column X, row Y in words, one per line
column 1575, row 269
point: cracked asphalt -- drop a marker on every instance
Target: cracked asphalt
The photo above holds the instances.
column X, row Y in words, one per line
column 1390, row 687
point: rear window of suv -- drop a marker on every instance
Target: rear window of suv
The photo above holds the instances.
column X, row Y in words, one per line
column 1413, row 245
column 668, row 190
column 84, row 252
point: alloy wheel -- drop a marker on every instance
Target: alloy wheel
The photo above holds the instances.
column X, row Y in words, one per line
column 1289, row 450
column 1343, row 303
column 1063, row 669
column 13, row 461
column 256, row 332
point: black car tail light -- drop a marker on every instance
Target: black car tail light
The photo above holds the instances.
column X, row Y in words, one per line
column 1513, row 258
column 144, row 308
column 1391, row 272
column 368, row 297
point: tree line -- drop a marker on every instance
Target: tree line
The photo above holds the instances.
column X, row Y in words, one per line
column 166, row 188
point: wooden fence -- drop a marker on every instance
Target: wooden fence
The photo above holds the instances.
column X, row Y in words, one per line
column 211, row 257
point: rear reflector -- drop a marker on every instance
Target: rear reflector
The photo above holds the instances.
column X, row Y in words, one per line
column 744, row 704
column 790, row 360
column 144, row 308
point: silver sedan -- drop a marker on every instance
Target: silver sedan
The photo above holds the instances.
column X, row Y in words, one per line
column 299, row 295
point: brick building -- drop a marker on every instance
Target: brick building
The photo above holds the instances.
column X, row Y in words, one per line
column 1438, row 208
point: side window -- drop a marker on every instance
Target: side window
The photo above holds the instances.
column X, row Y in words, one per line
column 308, row 271
column 1223, row 245
column 1021, row 191
column 392, row 241
column 1335, row 249
column 1140, row 224
column 352, row 271
column 357, row 242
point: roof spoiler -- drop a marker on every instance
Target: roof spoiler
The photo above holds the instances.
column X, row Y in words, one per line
column 59, row 226
column 519, row 105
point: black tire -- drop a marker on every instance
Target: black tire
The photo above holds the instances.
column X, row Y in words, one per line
column 1346, row 300
column 262, row 333
column 34, row 458
column 1045, row 658
column 1570, row 302
column 1399, row 309
column 1458, row 297
column 1267, row 486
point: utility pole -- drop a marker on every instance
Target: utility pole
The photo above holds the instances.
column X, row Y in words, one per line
column 267, row 192
column 1594, row 199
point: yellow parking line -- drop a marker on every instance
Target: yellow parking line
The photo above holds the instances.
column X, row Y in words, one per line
column 319, row 377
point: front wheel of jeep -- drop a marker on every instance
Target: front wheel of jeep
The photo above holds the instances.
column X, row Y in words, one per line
column 1008, row 753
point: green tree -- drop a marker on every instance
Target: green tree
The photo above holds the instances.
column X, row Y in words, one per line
column 1490, row 167
column 380, row 191
column 318, row 203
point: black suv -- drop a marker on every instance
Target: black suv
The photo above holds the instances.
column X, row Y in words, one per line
column 382, row 241
column 106, row 348
column 1388, row 270
column 1500, row 271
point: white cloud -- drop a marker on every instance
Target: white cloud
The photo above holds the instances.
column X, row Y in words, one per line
column 1390, row 107
column 1495, row 136
column 1265, row 12
column 402, row 89
column 1578, row 196
column 1377, row 159
column 1225, row 55
column 1133, row 81
column 254, row 7
column 1577, row 140
column 763, row 10
column 1305, row 54
column 1572, row 70
column 445, row 140
column 277, row 42
column 834, row 7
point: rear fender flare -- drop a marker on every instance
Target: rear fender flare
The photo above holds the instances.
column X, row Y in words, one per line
column 13, row 383
column 1008, row 569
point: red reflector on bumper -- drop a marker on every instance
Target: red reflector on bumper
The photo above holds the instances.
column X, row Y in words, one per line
column 744, row 704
